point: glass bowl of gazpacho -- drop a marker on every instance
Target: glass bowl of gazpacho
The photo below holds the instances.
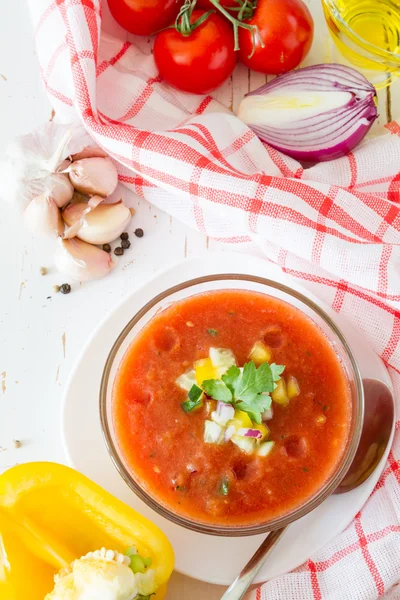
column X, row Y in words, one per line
column 231, row 404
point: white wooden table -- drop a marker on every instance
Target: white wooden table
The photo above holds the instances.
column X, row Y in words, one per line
column 42, row 332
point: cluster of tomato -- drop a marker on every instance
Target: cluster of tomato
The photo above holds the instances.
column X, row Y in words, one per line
column 198, row 42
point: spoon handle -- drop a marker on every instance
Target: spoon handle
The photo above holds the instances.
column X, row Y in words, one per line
column 239, row 587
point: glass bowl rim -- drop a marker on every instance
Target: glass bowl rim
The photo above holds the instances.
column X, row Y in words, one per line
column 209, row 528
column 370, row 47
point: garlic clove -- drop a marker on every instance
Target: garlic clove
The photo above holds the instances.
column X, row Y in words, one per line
column 89, row 152
column 79, row 260
column 43, row 217
column 94, row 176
column 60, row 188
column 78, row 213
column 101, row 225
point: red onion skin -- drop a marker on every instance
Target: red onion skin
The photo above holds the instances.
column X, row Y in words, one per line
column 337, row 151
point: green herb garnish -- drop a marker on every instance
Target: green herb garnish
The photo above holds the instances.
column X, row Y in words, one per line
column 212, row 332
column 224, row 487
column 247, row 389
column 195, row 401
column 305, row 469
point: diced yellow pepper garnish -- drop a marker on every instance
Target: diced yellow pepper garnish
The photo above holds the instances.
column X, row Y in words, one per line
column 279, row 395
column 242, row 419
column 260, row 353
column 293, row 389
column 204, row 370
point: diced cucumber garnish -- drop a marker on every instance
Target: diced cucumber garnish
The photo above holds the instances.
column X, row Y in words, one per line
column 195, row 401
column 244, row 443
column 187, row 380
column 213, row 433
column 265, row 448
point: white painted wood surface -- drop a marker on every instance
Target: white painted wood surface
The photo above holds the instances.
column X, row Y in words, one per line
column 41, row 333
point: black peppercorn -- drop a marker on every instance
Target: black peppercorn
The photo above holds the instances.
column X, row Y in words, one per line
column 125, row 244
column 118, row 251
column 124, row 236
column 65, row 288
column 107, row 248
column 139, row 232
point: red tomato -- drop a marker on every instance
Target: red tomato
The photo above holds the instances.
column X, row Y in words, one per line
column 286, row 28
column 207, row 5
column 144, row 17
column 199, row 62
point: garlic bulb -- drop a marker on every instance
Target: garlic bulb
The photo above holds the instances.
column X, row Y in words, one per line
column 82, row 261
column 93, row 176
column 100, row 225
column 60, row 189
column 42, row 216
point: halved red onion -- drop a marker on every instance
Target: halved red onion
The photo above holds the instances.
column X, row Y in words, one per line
column 251, row 433
column 313, row 114
column 224, row 413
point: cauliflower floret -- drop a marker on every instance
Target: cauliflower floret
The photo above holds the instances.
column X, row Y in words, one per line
column 100, row 576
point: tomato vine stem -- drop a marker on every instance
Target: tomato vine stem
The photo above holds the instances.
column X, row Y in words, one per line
column 236, row 23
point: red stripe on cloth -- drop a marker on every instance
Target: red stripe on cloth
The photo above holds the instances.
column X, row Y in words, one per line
column 393, row 127
column 299, row 173
column 389, row 218
column 394, row 189
column 82, row 54
column 324, row 565
column 393, row 342
column 320, row 231
column 278, row 161
column 373, row 181
column 258, row 594
column 314, row 580
column 203, row 105
column 45, row 16
column 107, row 63
column 395, row 466
column 373, row 569
column 353, row 169
column 314, row 197
column 383, row 269
column 58, row 95
column 208, row 143
column 140, row 102
column 355, row 292
column 91, row 19
column 56, row 54
column 342, row 288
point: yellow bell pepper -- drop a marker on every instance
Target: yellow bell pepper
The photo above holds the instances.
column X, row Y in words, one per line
column 51, row 515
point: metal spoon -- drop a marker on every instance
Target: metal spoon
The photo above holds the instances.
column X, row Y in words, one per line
column 375, row 436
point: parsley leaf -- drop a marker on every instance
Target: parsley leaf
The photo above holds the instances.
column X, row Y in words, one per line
column 212, row 332
column 277, row 371
column 217, row 389
column 231, row 378
column 247, row 389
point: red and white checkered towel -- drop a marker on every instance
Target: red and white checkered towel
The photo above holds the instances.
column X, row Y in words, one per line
column 335, row 226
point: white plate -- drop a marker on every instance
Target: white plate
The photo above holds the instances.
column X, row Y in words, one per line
column 212, row 559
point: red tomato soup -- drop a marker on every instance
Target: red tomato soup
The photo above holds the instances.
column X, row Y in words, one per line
column 221, row 482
